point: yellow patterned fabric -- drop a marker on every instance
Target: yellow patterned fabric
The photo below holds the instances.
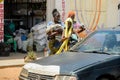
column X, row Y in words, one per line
column 68, row 32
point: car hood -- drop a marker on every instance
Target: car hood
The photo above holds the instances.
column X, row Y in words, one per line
column 65, row 63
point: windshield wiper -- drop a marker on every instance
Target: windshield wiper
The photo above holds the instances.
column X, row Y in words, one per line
column 73, row 50
column 100, row 52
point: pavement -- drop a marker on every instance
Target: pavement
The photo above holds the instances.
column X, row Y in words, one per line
column 16, row 59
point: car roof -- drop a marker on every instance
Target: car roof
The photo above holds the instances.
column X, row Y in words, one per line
column 116, row 28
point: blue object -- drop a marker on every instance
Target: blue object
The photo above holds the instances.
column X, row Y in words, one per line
column 23, row 37
column 57, row 44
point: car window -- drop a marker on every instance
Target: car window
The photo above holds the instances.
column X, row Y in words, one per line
column 93, row 43
column 106, row 41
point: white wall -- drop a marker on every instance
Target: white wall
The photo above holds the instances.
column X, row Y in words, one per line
column 87, row 11
column 119, row 13
column 50, row 7
column 112, row 13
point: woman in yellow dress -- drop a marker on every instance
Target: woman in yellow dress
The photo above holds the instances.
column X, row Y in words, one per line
column 68, row 30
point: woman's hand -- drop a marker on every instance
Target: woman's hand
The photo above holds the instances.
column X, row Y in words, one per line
column 64, row 38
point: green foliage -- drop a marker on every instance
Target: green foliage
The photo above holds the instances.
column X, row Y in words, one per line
column 30, row 57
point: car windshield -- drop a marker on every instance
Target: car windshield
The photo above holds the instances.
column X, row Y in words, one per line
column 100, row 42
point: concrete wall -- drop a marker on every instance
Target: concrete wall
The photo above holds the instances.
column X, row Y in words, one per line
column 112, row 13
column 100, row 13
column 90, row 12
column 50, row 7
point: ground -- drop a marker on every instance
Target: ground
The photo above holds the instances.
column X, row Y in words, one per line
column 10, row 73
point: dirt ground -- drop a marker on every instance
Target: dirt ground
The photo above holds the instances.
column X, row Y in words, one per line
column 10, row 73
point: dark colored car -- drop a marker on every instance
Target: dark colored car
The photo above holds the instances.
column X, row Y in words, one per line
column 95, row 58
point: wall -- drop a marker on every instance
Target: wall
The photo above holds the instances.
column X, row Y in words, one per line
column 1, row 20
column 90, row 12
column 93, row 13
column 112, row 13
column 50, row 7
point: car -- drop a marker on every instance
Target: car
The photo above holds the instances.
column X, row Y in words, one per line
column 97, row 57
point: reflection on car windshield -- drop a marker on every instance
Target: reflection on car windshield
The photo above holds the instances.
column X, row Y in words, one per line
column 102, row 41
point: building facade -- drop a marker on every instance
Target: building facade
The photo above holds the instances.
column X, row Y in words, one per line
column 93, row 13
